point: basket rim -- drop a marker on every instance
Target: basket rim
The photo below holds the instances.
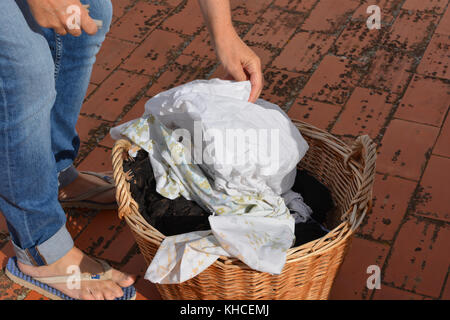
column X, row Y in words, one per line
column 363, row 169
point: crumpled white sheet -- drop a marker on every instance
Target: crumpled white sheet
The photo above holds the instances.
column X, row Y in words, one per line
column 249, row 218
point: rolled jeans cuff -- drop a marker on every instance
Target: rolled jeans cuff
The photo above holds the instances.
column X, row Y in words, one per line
column 47, row 252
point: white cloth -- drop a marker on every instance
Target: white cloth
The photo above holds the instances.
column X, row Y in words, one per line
column 248, row 157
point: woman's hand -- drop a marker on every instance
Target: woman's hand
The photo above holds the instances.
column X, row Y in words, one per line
column 63, row 16
column 238, row 60
column 240, row 63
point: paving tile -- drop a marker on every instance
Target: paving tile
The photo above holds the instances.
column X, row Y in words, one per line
column 139, row 21
column 389, row 293
column 319, row 114
column 365, row 113
column 121, row 6
column 146, row 290
column 444, row 24
column 280, row 87
column 136, row 265
column 248, row 11
column 106, row 237
column 388, row 9
column 154, row 53
column 437, row 6
column 356, row 40
column 275, row 28
column 76, row 221
column 33, row 295
column 391, row 196
column 135, row 112
column 10, row 290
column 303, row 51
column 390, row 71
column 442, row 146
column 6, row 252
column 303, row 6
column 97, row 160
column 404, row 148
column 436, row 60
column 111, row 55
column 115, row 93
column 3, row 226
column 432, row 200
column 329, row 15
column 187, row 20
column 425, row 101
column 85, row 126
column 201, row 46
column 351, row 281
column 183, row 70
column 446, row 293
column 417, row 262
column 332, row 81
column 410, row 30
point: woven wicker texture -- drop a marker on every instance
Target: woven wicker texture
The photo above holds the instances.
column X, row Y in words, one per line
column 311, row 268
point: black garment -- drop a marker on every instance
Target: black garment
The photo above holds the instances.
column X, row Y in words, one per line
column 314, row 194
column 170, row 217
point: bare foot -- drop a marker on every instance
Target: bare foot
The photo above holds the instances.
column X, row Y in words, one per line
column 86, row 182
column 89, row 290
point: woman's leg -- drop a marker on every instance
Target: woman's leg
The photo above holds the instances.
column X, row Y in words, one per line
column 74, row 58
column 29, row 171
column 28, row 184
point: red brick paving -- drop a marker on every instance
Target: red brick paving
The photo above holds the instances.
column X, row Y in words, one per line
column 419, row 259
column 319, row 114
column 366, row 112
column 303, row 51
column 434, row 187
column 436, row 59
column 404, row 148
column 332, row 82
column 323, row 66
column 390, row 71
column 425, row 101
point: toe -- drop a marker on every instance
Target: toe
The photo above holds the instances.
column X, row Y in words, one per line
column 86, row 294
column 122, row 279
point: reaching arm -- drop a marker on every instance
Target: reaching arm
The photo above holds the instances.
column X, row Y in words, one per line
column 240, row 62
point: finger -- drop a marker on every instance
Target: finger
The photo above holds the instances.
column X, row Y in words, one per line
column 256, row 80
column 123, row 279
column 98, row 295
column 87, row 23
column 116, row 290
column 109, row 294
column 61, row 30
column 86, row 295
column 76, row 32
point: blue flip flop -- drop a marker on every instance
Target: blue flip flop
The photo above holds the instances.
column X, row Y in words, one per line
column 42, row 286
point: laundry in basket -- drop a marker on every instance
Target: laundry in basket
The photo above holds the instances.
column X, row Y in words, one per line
column 236, row 159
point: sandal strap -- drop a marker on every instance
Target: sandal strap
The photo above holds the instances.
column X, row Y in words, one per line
column 106, row 176
column 89, row 194
column 105, row 275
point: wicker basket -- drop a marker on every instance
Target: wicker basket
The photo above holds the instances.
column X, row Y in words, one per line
column 311, row 268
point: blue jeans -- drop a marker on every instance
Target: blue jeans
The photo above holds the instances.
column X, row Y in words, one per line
column 43, row 81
